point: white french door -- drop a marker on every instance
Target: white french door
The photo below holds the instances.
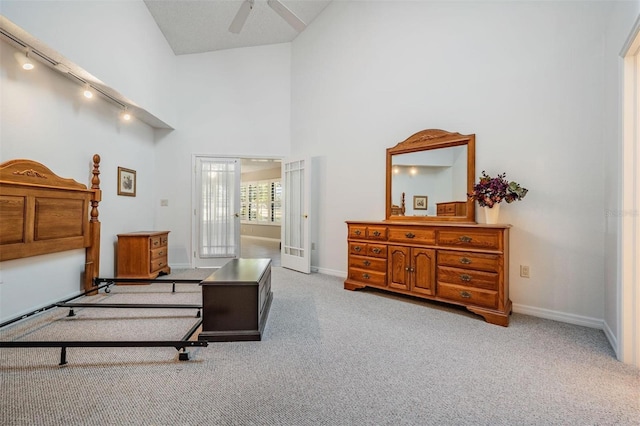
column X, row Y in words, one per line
column 296, row 189
column 216, row 207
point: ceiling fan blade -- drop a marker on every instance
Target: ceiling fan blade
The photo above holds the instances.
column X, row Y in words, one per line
column 287, row 15
column 241, row 16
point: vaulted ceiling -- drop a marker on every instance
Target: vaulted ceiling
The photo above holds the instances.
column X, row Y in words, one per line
column 203, row 26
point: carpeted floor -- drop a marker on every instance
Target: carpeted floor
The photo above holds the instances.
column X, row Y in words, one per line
column 328, row 357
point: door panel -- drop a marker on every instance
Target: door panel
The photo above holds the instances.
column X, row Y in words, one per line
column 216, row 204
column 296, row 245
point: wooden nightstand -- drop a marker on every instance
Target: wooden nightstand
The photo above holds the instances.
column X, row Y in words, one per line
column 143, row 254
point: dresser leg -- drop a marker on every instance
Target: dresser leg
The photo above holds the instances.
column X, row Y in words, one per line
column 492, row 317
column 351, row 286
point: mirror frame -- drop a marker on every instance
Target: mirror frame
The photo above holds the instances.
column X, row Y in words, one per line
column 435, row 139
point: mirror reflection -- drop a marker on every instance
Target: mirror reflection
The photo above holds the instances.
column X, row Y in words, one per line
column 434, row 182
column 428, row 177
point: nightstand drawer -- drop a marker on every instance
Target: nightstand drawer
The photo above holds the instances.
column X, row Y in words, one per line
column 159, row 252
column 158, row 263
column 155, row 242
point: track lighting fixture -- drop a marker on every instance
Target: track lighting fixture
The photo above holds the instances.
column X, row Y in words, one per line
column 24, row 60
column 125, row 114
column 87, row 92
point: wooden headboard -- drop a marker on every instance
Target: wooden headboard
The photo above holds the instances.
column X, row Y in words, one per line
column 42, row 213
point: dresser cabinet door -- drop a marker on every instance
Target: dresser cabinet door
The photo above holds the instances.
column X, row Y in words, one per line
column 412, row 269
column 423, row 271
column 399, row 267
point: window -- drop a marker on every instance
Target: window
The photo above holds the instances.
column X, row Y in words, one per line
column 261, row 201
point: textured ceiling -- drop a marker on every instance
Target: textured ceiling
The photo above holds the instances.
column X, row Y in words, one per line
column 203, row 26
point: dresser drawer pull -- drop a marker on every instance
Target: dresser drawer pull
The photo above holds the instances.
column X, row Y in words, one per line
column 377, row 250
column 366, row 276
column 357, row 248
column 156, row 242
column 410, row 235
column 357, row 232
column 160, row 253
column 160, row 264
column 465, row 239
column 465, row 277
column 376, row 233
column 366, row 263
column 465, row 294
column 465, row 260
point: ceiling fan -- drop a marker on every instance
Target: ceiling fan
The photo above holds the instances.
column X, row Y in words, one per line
column 276, row 5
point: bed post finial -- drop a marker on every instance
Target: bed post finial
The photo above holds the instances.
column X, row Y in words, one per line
column 95, row 180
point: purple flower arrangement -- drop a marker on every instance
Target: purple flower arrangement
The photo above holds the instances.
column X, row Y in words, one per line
column 491, row 191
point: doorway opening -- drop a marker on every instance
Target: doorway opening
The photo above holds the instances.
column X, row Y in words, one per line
column 260, row 208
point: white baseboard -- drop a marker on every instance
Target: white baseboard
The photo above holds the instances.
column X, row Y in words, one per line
column 528, row 310
column 613, row 341
column 559, row 316
column 180, row 266
column 332, row 272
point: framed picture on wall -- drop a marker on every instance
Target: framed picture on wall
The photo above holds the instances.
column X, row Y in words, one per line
column 420, row 202
column 126, row 182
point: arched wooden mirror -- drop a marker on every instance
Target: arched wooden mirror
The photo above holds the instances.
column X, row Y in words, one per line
column 429, row 176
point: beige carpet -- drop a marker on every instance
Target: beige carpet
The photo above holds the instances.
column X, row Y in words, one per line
column 328, row 357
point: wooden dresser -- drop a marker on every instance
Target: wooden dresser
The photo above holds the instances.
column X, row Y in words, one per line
column 462, row 264
column 143, row 254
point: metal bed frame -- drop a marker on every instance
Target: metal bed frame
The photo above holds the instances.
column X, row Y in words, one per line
column 106, row 283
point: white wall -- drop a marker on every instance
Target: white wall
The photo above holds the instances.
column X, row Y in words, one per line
column 118, row 42
column 526, row 78
column 45, row 118
column 230, row 103
column 618, row 29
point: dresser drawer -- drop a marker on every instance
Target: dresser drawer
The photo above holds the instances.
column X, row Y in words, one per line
column 377, row 233
column 368, row 263
column 368, row 277
column 357, row 232
column 471, row 239
column 412, row 235
column 377, row 250
column 358, row 248
column 476, row 261
column 468, row 277
column 468, row 295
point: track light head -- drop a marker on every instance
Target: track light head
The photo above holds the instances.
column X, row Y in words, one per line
column 87, row 92
column 23, row 59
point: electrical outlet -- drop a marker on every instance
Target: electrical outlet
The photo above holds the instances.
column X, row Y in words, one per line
column 164, row 203
column 524, row 271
